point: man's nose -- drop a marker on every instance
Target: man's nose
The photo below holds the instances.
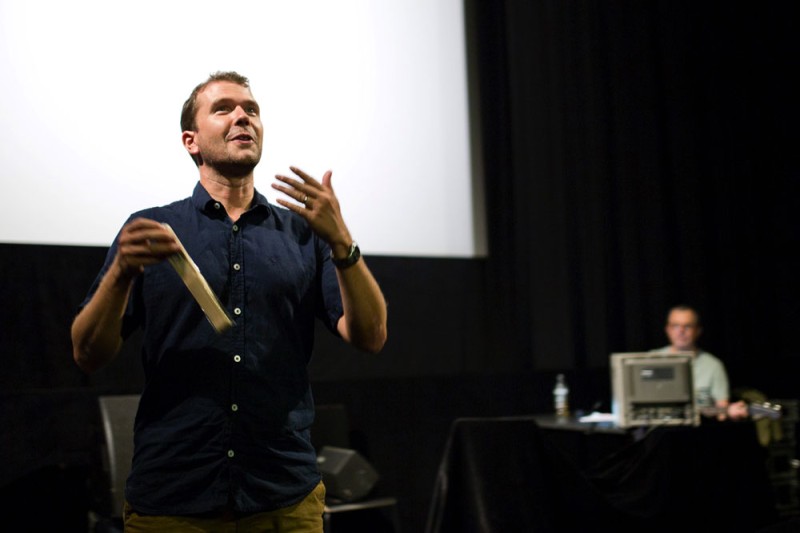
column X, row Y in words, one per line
column 241, row 116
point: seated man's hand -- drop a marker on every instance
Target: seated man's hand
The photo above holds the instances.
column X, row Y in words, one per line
column 738, row 410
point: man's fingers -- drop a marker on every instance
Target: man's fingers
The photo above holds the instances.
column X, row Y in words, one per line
column 308, row 179
column 143, row 237
column 308, row 192
column 326, row 180
column 292, row 187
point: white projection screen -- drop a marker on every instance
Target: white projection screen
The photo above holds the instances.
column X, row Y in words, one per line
column 375, row 90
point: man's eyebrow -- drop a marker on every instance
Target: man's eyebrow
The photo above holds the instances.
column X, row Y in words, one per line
column 233, row 101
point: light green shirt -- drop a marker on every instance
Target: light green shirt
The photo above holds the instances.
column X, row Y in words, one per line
column 710, row 378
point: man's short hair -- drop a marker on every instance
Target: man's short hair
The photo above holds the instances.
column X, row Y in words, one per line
column 189, row 111
column 684, row 307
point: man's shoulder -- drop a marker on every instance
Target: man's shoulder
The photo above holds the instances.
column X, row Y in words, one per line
column 708, row 358
column 172, row 207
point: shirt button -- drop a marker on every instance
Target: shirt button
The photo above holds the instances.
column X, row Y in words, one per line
column 237, row 311
column 237, row 266
column 217, row 206
column 234, row 407
column 235, row 227
column 230, row 453
column 237, row 358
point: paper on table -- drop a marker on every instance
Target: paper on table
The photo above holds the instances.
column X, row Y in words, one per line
column 198, row 286
column 598, row 417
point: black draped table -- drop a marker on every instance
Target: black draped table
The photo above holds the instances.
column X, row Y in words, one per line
column 520, row 474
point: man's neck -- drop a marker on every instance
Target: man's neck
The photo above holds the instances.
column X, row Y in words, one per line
column 235, row 194
column 693, row 349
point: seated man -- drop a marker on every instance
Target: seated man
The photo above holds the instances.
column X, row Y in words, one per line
column 710, row 378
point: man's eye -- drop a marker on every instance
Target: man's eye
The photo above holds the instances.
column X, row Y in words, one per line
column 252, row 110
column 223, row 109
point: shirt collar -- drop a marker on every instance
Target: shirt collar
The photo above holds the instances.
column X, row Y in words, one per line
column 206, row 204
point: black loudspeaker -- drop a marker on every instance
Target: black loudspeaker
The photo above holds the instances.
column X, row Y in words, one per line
column 346, row 474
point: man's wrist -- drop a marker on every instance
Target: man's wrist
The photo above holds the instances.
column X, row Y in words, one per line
column 352, row 257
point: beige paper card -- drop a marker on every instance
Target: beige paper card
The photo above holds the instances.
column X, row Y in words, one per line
column 198, row 286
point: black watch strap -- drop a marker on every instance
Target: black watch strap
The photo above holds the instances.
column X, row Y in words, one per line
column 353, row 255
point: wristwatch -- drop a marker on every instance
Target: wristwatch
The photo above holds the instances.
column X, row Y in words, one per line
column 353, row 255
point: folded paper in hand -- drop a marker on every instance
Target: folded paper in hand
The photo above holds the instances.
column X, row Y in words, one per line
column 198, row 286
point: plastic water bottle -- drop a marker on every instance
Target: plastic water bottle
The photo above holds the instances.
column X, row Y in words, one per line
column 561, row 397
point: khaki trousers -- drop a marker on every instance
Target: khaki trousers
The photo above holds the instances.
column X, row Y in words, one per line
column 303, row 517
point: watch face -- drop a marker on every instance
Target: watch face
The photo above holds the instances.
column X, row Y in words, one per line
column 353, row 256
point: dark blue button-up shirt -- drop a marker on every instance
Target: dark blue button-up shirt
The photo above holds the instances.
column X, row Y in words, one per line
column 225, row 418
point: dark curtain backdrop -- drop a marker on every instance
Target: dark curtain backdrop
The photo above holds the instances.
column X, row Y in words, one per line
column 640, row 155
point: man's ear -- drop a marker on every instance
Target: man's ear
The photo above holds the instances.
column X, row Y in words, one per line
column 188, row 139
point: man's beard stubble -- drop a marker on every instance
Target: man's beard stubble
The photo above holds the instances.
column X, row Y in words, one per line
column 232, row 168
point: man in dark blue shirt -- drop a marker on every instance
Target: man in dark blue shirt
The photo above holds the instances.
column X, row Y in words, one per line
column 222, row 432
